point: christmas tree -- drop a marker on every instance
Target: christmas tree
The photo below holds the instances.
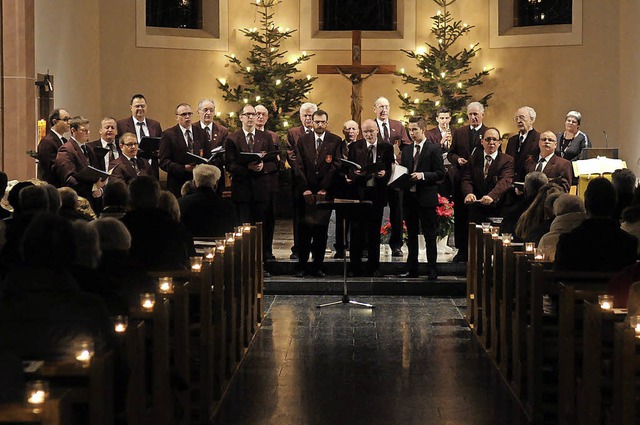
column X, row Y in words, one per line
column 267, row 78
column 444, row 75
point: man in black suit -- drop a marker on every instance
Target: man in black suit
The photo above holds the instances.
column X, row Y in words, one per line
column 293, row 136
column 317, row 160
column 393, row 132
column 369, row 187
column 205, row 212
column 73, row 157
column 424, row 163
column 524, row 144
column 487, row 178
column 216, row 134
column 107, row 141
column 345, row 188
column 249, row 181
column 175, row 145
column 128, row 166
column 465, row 141
column 50, row 143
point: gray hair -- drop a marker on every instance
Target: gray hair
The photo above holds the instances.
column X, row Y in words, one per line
column 113, row 234
column 308, row 105
column 88, row 251
column 530, row 111
column 575, row 114
column 477, row 104
column 533, row 182
column 205, row 175
column 206, row 99
column 567, row 203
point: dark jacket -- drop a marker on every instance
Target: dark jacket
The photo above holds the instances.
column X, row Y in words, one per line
column 205, row 213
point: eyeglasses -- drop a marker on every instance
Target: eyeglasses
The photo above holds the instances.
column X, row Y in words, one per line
column 491, row 139
column 130, row 145
column 248, row 114
column 520, row 118
column 185, row 114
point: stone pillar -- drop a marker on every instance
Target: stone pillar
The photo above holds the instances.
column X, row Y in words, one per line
column 18, row 126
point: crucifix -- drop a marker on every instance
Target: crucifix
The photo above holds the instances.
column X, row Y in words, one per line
column 355, row 72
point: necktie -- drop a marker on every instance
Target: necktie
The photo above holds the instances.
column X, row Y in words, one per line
column 370, row 155
column 141, row 128
column 206, row 129
column 250, row 141
column 189, row 141
column 487, row 165
column 85, row 151
column 520, row 142
column 415, row 157
column 64, row 139
column 307, row 131
column 385, row 131
column 540, row 164
column 112, row 151
column 474, row 138
column 134, row 164
column 318, row 146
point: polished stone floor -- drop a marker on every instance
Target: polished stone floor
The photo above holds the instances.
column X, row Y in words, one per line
column 411, row 360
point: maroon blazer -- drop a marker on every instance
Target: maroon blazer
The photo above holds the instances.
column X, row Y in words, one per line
column 317, row 172
column 397, row 132
column 125, row 172
column 529, row 148
column 461, row 144
column 248, row 185
column 557, row 168
column 47, row 151
column 274, row 175
column 98, row 144
column 126, row 125
column 219, row 133
column 173, row 155
column 499, row 177
column 69, row 161
column 293, row 135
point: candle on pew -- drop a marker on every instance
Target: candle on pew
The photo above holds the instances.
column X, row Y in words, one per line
column 605, row 301
column 209, row 253
column 486, row 227
column 83, row 349
column 147, row 301
column 120, row 324
column 635, row 324
column 506, row 238
column 37, row 393
column 165, row 285
column 196, row 264
column 529, row 247
column 230, row 238
column 495, row 232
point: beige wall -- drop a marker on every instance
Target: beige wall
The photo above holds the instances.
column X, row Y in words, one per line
column 629, row 86
column 99, row 76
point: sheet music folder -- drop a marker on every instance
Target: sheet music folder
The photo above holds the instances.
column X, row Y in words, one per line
column 400, row 178
column 149, row 146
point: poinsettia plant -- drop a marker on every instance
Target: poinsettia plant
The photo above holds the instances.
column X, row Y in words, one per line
column 385, row 232
column 444, row 213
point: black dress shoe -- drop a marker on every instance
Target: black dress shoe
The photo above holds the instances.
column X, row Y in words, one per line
column 338, row 255
column 396, row 252
column 293, row 256
column 409, row 275
column 300, row 273
column 318, row 273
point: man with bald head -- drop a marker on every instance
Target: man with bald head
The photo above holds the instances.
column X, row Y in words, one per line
column 215, row 133
column 344, row 187
column 369, row 187
column 108, row 131
column 553, row 166
column 393, row 132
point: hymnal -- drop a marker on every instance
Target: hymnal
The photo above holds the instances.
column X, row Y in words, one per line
column 400, row 177
column 250, row 157
column 367, row 169
column 149, row 146
column 202, row 160
column 599, row 165
column 92, row 174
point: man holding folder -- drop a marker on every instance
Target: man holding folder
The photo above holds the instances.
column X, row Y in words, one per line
column 424, row 163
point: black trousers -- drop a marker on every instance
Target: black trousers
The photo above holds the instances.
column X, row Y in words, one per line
column 270, row 224
column 395, row 218
column 253, row 212
column 418, row 218
column 365, row 232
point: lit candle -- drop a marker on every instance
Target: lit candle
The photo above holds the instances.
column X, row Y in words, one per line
column 165, row 285
column 147, row 301
column 209, row 252
column 486, row 227
column 36, row 394
column 506, row 238
column 120, row 324
column 83, row 350
column 605, row 301
column 538, row 255
column 635, row 324
column 230, row 238
column 196, row 264
column 528, row 247
column 495, row 232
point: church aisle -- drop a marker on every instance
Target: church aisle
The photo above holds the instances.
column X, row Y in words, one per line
column 411, row 360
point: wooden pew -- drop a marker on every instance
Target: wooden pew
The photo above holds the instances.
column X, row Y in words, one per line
column 231, row 306
column 472, row 274
column 55, row 411
column 496, row 297
column 626, row 375
column 594, row 396
column 507, row 281
column 240, row 277
column 135, row 349
column 260, row 273
column 520, row 322
column 485, row 243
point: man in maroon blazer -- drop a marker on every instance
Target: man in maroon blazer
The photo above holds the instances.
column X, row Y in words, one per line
column 465, row 141
column 317, row 160
column 73, row 157
column 392, row 131
column 486, row 179
column 215, row 133
column 293, row 135
column 524, row 144
column 249, row 181
column 50, row 143
column 107, row 141
column 128, row 166
column 553, row 166
column 441, row 136
column 175, row 145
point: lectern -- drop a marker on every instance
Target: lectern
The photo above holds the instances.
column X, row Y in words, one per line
column 348, row 208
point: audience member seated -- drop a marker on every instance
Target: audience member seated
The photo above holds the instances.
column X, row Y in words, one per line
column 115, row 200
column 87, row 256
column 630, row 222
column 624, row 182
column 169, row 203
column 14, row 197
column 621, row 287
column 85, row 209
column 53, row 197
column 69, row 204
column 598, row 243
column 187, row 188
column 156, row 242
column 532, row 184
column 205, row 212
column 3, row 187
column 569, row 213
column 42, row 310
column 543, row 228
column 120, row 281
column 633, row 300
column 534, row 216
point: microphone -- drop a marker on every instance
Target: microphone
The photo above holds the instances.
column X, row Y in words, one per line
column 606, row 139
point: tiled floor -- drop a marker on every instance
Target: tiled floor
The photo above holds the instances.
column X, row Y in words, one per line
column 411, row 360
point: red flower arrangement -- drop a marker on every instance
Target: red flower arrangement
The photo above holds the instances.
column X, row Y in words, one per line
column 385, row 232
column 444, row 213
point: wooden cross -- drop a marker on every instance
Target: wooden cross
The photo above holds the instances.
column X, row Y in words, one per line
column 355, row 72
